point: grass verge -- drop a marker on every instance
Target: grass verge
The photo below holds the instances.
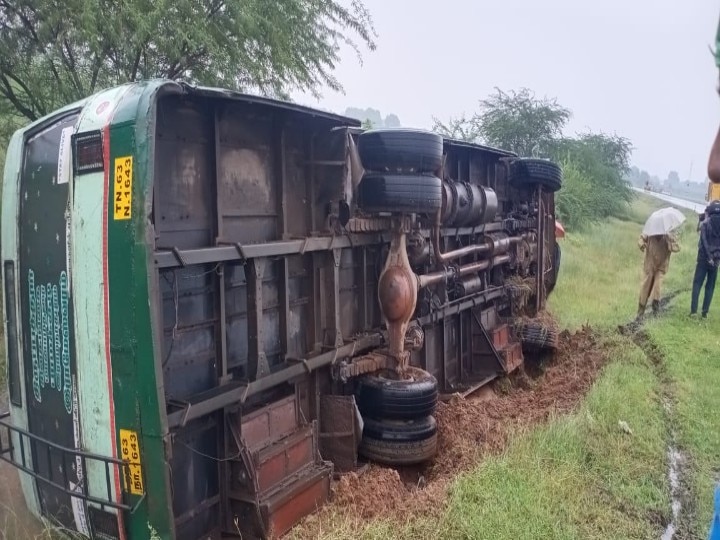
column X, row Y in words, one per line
column 673, row 400
column 601, row 270
column 689, row 349
column 581, row 476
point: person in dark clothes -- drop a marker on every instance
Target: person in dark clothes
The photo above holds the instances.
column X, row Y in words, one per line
column 708, row 259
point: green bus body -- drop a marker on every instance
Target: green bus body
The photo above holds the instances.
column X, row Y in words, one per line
column 84, row 340
column 109, row 370
column 182, row 308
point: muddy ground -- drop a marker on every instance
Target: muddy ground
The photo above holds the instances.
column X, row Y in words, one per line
column 469, row 428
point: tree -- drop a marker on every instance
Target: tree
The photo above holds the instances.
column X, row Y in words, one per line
column 673, row 178
column 514, row 120
column 461, row 128
column 520, row 122
column 600, row 163
column 392, row 121
column 373, row 116
column 367, row 124
column 53, row 52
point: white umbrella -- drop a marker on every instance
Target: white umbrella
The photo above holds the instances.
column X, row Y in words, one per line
column 663, row 221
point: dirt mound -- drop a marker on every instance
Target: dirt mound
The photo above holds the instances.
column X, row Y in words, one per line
column 470, row 428
column 384, row 491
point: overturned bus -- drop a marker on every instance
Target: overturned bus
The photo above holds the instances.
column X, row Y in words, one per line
column 214, row 301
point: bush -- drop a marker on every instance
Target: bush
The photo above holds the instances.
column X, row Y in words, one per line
column 594, row 167
column 573, row 203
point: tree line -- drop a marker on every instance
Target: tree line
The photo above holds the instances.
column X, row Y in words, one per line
column 55, row 52
column 595, row 165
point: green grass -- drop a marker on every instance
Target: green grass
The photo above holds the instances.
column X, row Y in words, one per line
column 690, row 353
column 580, row 476
column 600, row 271
column 691, row 358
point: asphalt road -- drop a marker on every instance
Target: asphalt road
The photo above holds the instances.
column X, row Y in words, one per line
column 680, row 203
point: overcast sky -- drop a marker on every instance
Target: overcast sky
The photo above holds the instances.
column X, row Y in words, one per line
column 639, row 68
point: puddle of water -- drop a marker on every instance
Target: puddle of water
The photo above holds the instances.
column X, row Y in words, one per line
column 675, row 459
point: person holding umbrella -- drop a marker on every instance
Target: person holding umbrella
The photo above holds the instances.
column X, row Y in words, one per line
column 658, row 241
column 708, row 259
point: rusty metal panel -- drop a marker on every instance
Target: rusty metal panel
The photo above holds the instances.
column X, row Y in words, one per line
column 464, row 343
column 350, row 285
column 339, row 431
column 500, row 336
column 270, row 423
column 485, row 359
column 327, row 179
column 432, row 353
column 296, row 171
column 268, row 315
column 284, row 458
column 299, row 292
column 287, row 507
column 276, row 514
column 513, row 356
column 278, row 476
column 236, row 308
column 195, row 478
column 451, row 367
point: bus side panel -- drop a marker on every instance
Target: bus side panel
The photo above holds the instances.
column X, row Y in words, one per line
column 135, row 383
column 46, row 312
column 88, row 284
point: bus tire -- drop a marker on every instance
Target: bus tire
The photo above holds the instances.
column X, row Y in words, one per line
column 401, row 151
column 535, row 335
column 400, row 193
column 399, row 443
column 379, row 396
column 531, row 172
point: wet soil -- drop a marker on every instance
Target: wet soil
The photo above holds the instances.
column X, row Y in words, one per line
column 469, row 429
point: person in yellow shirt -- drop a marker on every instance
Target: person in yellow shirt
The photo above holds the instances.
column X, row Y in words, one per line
column 657, row 250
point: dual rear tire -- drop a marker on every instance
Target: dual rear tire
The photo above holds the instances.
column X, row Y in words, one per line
column 401, row 171
column 399, row 428
column 402, row 168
